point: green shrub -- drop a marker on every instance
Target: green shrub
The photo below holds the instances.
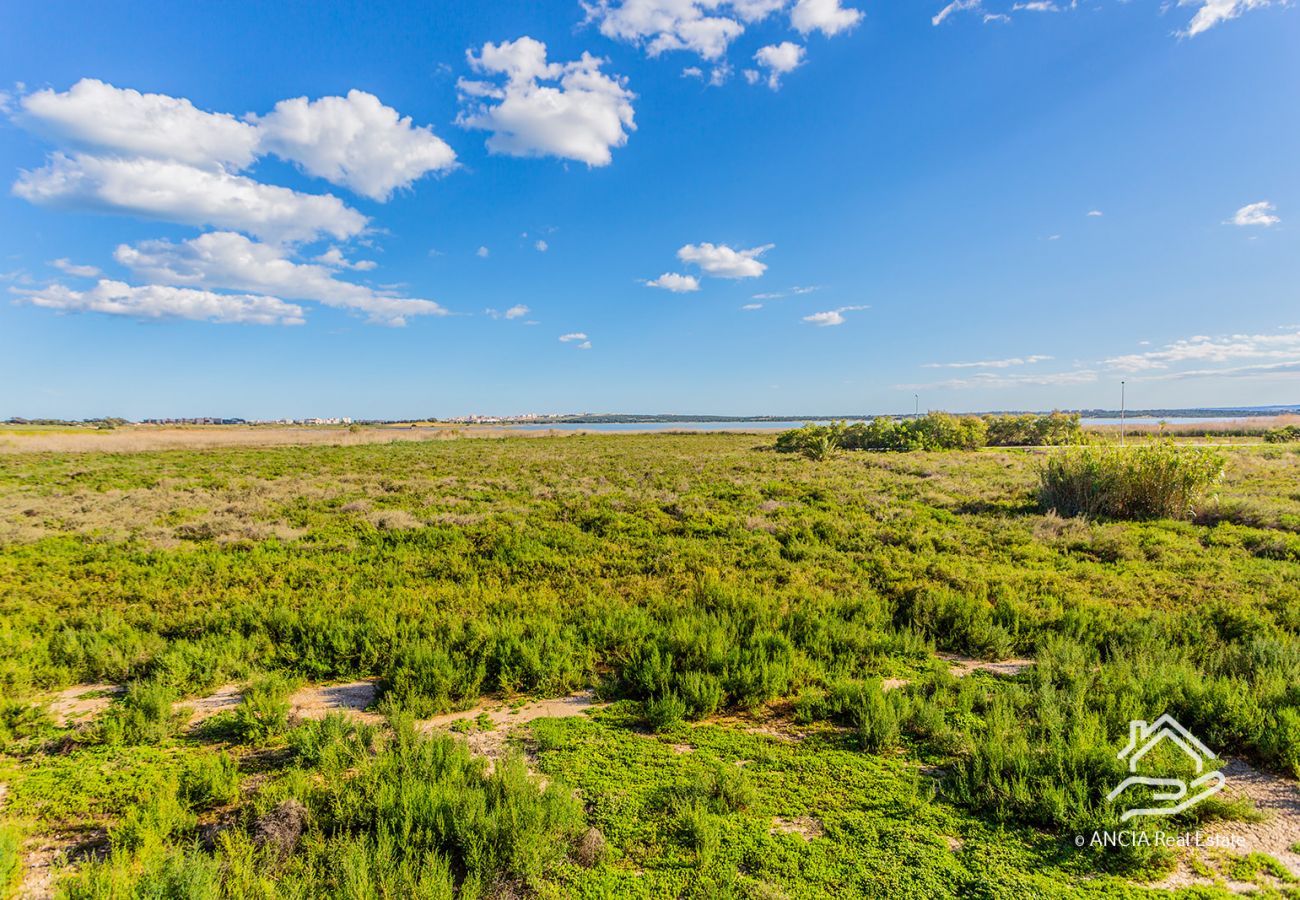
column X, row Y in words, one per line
column 1283, row 435
column 875, row 719
column 1149, row 481
column 211, row 779
column 142, row 716
column 665, row 711
column 11, row 840
column 264, row 710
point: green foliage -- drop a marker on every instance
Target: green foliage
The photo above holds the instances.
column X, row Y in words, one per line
column 1146, row 481
column 11, row 841
column 210, row 779
column 142, row 716
column 932, row 431
column 1284, row 434
column 263, row 712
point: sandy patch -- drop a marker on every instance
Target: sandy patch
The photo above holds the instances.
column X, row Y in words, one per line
column 1278, row 799
column 964, row 665
column 47, row 856
column 805, row 826
column 353, row 698
column 81, row 703
column 504, row 720
column 224, row 699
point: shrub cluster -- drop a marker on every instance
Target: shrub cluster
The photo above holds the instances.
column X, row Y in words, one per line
column 1283, row 435
column 1148, row 481
column 933, row 431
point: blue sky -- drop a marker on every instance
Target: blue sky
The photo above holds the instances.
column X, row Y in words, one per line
column 397, row 210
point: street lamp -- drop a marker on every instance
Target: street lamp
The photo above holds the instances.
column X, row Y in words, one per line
column 1121, row 414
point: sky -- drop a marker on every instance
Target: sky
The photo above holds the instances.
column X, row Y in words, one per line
column 787, row 207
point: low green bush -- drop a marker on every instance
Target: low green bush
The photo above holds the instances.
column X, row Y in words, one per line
column 144, row 715
column 264, row 711
column 209, row 780
column 1283, row 435
column 932, row 431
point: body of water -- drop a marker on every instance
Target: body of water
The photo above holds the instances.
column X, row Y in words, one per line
column 782, row 426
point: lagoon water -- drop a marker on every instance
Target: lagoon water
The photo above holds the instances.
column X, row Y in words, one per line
column 781, row 426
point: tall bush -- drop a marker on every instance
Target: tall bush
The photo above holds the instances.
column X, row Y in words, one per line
column 1151, row 481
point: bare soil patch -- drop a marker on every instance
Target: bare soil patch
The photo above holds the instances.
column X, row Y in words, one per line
column 806, row 827
column 81, row 703
column 504, row 720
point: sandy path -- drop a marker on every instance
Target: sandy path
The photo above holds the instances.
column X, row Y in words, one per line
column 1278, row 799
column 492, row 744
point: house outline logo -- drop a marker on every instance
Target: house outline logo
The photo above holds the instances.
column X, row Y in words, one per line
column 1143, row 738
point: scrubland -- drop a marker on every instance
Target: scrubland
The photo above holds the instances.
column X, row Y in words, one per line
column 770, row 638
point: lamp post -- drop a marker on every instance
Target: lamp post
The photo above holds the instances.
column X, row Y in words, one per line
column 916, row 398
column 1121, row 414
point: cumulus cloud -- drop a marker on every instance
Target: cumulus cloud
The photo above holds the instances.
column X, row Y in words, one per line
column 482, row 252
column 991, row 363
column 826, row 16
column 97, row 116
column 1261, row 213
column 568, row 110
column 334, row 258
column 1095, row 213
column 154, row 301
column 678, row 284
column 722, row 261
column 518, row 311
column 831, row 317
column 572, row 336
column 68, row 267
column 227, row 260
column 664, row 25
column 354, row 141
column 779, row 59
column 748, row 307
column 707, row 28
column 176, row 192
column 541, row 246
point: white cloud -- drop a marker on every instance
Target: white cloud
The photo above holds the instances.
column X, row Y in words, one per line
column 1036, row 6
column 795, row 291
column 663, row 25
column 1211, row 12
column 954, row 7
column 722, row 261
column 999, row 380
column 482, row 252
column 180, row 193
column 541, row 246
column 334, row 258
column 826, row 16
column 678, row 284
column 991, row 363
column 583, row 118
column 779, row 59
column 223, row 259
column 752, row 306
column 99, row 116
column 355, row 142
column 1203, row 348
column 518, row 311
column 1095, row 213
column 831, row 317
column 585, row 345
column 67, row 266
column 576, row 337
column 1260, row 213
column 162, row 302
